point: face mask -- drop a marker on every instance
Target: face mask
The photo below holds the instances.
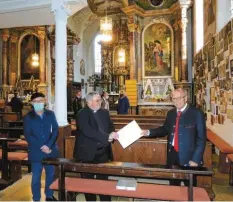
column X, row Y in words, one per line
column 107, row 97
column 121, row 95
column 38, row 107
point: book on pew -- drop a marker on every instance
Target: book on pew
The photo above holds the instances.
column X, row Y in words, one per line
column 127, row 184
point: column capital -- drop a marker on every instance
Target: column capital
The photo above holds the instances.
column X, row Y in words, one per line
column 41, row 34
column 5, row 35
column 60, row 5
column 185, row 3
column 14, row 38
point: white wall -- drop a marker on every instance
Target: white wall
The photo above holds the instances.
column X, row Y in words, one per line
column 223, row 13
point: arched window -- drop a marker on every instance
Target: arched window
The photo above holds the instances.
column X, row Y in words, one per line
column 199, row 19
column 97, row 49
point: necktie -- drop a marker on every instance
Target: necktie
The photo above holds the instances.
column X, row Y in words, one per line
column 176, row 141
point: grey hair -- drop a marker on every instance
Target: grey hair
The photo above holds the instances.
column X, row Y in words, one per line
column 90, row 96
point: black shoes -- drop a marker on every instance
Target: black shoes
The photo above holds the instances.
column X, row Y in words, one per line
column 51, row 199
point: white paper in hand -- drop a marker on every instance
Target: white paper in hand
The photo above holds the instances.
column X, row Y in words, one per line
column 129, row 134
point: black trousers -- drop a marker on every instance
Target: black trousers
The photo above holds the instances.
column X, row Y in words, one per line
column 176, row 161
column 102, row 156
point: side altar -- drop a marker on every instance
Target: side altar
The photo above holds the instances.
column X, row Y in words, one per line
column 154, row 96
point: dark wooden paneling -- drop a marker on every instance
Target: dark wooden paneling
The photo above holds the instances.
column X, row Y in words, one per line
column 64, row 131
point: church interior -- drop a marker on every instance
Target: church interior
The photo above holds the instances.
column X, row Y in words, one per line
column 146, row 48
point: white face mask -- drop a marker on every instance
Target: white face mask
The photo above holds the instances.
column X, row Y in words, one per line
column 106, row 97
column 38, row 107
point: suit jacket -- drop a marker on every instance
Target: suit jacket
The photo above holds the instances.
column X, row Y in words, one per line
column 41, row 131
column 123, row 105
column 90, row 136
column 192, row 134
column 16, row 105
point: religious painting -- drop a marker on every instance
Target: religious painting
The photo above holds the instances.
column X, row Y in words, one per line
column 209, row 19
column 82, row 67
column 29, row 46
column 157, row 50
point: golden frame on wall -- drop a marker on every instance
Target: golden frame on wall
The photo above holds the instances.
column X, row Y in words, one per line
column 157, row 50
column 29, row 45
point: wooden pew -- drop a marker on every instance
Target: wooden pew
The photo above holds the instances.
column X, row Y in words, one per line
column 138, row 120
column 12, row 132
column 10, row 160
column 64, row 184
column 224, row 149
column 136, row 116
column 148, row 151
column 9, row 116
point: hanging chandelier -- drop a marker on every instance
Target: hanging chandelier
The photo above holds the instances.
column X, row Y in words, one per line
column 35, row 57
column 106, row 28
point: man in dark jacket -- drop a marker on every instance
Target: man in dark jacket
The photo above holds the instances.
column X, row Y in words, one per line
column 123, row 104
column 77, row 103
column 16, row 104
column 41, row 131
column 185, row 127
column 95, row 132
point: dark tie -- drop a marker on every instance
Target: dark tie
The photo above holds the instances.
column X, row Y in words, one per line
column 176, row 141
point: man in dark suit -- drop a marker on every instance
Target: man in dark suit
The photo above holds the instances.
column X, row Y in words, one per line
column 186, row 130
column 77, row 103
column 16, row 104
column 95, row 132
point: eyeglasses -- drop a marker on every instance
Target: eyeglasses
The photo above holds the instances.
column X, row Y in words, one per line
column 174, row 99
column 38, row 101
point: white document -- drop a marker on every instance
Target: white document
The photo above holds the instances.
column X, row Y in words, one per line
column 129, row 134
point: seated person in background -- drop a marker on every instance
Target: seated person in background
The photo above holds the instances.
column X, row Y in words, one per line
column 16, row 104
column 95, row 132
column 105, row 102
column 123, row 104
column 186, row 129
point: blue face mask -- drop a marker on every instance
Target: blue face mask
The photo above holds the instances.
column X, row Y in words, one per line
column 38, row 107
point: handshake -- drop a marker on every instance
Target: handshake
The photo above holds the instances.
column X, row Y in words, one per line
column 115, row 136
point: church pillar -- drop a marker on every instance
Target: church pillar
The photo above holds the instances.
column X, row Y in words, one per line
column 184, row 6
column 5, row 37
column 132, row 27
column 42, row 87
column 13, row 59
column 231, row 9
column 61, row 14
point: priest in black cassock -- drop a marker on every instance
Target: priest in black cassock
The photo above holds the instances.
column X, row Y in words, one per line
column 95, row 132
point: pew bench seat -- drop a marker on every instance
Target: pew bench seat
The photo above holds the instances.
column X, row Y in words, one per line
column 143, row 190
column 15, row 156
column 18, row 145
column 230, row 158
column 224, row 149
column 16, row 159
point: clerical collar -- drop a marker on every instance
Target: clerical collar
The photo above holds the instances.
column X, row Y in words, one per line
column 185, row 106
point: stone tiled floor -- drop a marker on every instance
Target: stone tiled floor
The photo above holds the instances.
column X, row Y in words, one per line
column 21, row 190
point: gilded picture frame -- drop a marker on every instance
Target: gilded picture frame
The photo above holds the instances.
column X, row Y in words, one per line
column 157, row 54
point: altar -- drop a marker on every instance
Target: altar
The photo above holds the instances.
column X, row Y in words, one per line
column 154, row 108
